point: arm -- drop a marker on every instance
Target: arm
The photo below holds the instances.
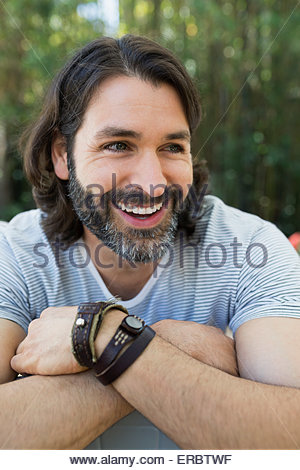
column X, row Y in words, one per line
column 207, row 344
column 201, row 407
column 65, row 412
column 266, row 318
column 194, row 404
column 38, row 354
column 268, row 350
column 11, row 335
column 57, row 412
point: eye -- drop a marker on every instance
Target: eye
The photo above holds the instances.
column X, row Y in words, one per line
column 116, row 147
column 174, row 148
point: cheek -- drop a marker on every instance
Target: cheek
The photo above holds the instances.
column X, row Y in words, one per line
column 182, row 176
column 102, row 178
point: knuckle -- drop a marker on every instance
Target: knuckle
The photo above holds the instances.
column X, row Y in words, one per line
column 32, row 325
column 46, row 312
column 14, row 362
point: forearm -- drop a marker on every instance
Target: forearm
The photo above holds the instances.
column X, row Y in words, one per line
column 195, row 404
column 203, row 408
column 57, row 412
column 207, row 344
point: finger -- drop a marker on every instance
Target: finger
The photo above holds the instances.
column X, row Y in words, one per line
column 47, row 311
column 21, row 346
column 18, row 364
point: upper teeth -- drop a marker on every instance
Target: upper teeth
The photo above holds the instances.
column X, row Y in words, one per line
column 140, row 210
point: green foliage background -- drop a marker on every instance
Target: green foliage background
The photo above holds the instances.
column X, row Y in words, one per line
column 243, row 55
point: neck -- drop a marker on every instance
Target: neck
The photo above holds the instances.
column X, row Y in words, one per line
column 122, row 278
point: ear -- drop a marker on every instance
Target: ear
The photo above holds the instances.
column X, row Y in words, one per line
column 59, row 157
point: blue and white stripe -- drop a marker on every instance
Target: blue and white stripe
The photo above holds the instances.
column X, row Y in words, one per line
column 200, row 279
column 194, row 282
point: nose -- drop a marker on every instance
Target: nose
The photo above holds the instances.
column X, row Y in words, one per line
column 148, row 174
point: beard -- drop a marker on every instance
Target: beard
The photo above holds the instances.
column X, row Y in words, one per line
column 134, row 245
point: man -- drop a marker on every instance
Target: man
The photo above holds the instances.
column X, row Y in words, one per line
column 111, row 167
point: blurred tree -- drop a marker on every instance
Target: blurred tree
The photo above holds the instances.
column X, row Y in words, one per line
column 34, row 43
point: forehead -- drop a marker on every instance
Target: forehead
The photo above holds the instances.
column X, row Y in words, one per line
column 131, row 101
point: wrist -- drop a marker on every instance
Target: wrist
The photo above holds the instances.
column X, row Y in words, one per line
column 128, row 341
column 85, row 329
column 110, row 323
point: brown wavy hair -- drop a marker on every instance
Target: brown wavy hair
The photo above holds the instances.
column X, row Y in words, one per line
column 63, row 111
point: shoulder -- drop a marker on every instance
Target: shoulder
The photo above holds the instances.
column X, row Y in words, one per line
column 25, row 228
column 222, row 216
column 223, row 224
column 24, row 222
column 241, row 239
column 223, row 220
column 20, row 237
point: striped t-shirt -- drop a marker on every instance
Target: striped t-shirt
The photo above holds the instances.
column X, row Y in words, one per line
column 234, row 268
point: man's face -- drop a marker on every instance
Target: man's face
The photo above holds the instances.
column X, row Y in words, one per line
column 134, row 145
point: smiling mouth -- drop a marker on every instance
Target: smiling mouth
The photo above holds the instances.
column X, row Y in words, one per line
column 140, row 212
column 142, row 216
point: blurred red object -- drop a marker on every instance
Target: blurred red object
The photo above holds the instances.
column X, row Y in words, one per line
column 295, row 240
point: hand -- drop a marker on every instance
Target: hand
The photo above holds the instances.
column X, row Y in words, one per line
column 47, row 348
column 204, row 343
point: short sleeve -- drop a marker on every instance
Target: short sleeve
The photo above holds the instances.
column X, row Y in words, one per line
column 14, row 299
column 269, row 281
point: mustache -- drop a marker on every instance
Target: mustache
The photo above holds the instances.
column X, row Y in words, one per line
column 135, row 197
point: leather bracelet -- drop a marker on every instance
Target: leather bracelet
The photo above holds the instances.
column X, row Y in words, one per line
column 85, row 329
column 130, row 327
column 123, row 362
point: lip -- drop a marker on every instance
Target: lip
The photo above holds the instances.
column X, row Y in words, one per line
column 149, row 222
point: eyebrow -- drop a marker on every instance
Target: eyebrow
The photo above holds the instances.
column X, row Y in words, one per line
column 113, row 131
column 180, row 135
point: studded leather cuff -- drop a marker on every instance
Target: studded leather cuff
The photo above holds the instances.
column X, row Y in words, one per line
column 85, row 329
